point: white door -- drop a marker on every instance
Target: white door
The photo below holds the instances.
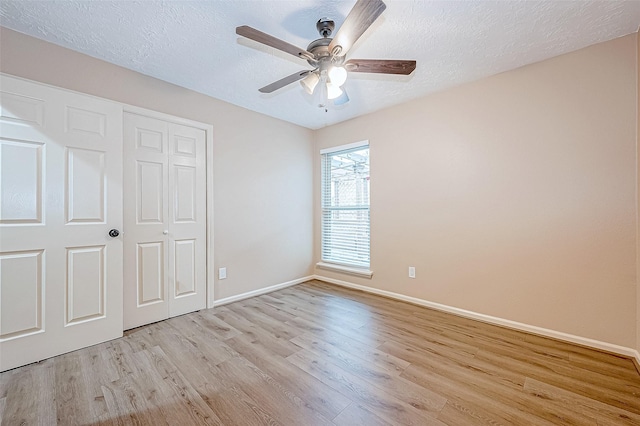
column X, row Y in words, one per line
column 165, row 219
column 60, row 195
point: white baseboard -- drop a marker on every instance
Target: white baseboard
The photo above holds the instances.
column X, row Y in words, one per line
column 636, row 359
column 596, row 344
column 260, row 291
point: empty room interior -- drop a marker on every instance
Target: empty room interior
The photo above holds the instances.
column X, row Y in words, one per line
column 330, row 212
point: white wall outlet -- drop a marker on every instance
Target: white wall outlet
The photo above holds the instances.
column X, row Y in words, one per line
column 412, row 271
column 222, row 273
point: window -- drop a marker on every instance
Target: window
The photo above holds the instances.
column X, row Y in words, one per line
column 345, row 205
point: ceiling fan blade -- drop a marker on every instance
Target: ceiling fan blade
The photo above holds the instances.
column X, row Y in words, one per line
column 264, row 38
column 381, row 66
column 284, row 81
column 363, row 14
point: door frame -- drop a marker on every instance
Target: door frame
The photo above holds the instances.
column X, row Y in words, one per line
column 208, row 129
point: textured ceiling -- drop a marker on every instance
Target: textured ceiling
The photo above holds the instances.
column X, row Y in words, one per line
column 193, row 43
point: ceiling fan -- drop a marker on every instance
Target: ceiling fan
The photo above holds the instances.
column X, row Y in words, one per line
column 327, row 55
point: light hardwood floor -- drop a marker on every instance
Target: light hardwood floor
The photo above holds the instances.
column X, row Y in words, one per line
column 317, row 354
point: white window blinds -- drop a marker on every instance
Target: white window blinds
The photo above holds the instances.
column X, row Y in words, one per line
column 345, row 205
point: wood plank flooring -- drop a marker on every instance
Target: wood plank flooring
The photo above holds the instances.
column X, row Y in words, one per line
column 317, row 354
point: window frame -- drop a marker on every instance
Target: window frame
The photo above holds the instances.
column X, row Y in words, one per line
column 331, row 264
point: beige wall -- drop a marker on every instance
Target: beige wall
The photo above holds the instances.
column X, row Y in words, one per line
column 262, row 214
column 513, row 196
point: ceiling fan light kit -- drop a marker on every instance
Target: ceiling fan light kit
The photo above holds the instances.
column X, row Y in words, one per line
column 327, row 55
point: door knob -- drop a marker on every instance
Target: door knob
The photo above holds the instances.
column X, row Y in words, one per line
column 165, row 232
column 114, row 233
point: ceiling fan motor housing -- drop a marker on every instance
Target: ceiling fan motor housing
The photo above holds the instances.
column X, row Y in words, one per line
column 320, row 50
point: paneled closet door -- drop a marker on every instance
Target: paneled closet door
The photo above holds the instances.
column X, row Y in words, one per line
column 165, row 220
column 61, row 195
column 187, row 219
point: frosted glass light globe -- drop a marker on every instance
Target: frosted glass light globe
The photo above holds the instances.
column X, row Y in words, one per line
column 338, row 75
column 309, row 82
column 333, row 91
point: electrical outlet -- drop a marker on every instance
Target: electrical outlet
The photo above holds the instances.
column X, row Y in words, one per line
column 222, row 273
column 412, row 271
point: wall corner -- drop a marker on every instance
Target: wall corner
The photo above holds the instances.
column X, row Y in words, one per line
column 637, row 192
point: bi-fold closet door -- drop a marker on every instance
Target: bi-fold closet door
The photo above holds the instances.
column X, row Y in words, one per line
column 164, row 219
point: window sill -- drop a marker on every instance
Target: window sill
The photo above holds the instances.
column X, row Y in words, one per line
column 365, row 273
